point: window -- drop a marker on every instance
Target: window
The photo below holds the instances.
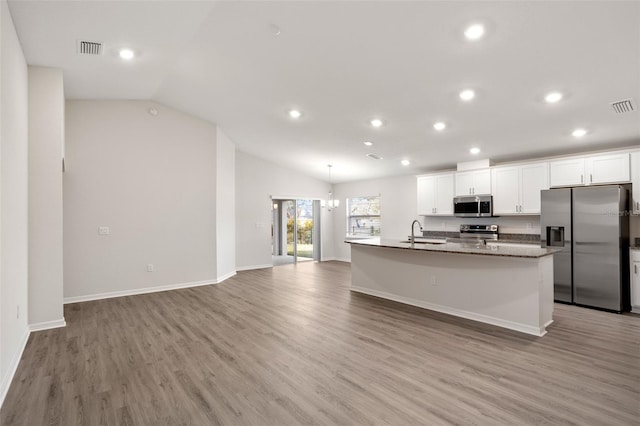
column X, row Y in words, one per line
column 363, row 216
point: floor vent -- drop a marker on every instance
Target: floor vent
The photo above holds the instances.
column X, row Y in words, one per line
column 621, row 107
column 374, row 156
column 89, row 47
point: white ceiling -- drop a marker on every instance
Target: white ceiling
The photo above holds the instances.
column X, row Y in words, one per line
column 343, row 63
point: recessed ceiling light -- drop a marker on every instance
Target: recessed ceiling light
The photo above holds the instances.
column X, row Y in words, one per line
column 126, row 54
column 294, row 113
column 467, row 95
column 553, row 97
column 474, row 32
column 405, row 162
column 376, row 122
column 367, row 143
column 474, row 151
column 439, row 126
column 275, row 30
column 578, row 133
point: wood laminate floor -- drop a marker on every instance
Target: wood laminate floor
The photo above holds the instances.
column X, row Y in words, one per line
column 292, row 345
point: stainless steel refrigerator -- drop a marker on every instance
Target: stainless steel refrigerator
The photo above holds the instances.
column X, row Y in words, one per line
column 591, row 226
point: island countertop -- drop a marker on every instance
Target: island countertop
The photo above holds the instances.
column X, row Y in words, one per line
column 491, row 249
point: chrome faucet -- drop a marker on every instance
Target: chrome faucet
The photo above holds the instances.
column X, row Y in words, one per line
column 413, row 224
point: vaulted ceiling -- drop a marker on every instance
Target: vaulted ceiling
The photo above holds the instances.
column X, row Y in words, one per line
column 245, row 65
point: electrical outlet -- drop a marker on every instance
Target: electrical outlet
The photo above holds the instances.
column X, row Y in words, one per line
column 103, row 230
column 150, row 267
column 433, row 280
column 529, row 225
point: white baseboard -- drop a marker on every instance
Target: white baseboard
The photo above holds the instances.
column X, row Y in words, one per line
column 47, row 325
column 251, row 267
column 523, row 328
column 109, row 295
column 225, row 277
column 13, row 367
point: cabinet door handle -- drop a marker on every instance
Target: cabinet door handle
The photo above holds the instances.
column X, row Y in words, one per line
column 635, row 269
column 435, row 210
column 638, row 205
column 581, row 179
column 590, row 178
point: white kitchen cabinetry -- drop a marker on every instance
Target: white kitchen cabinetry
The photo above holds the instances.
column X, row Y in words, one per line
column 566, row 172
column 635, row 280
column 516, row 189
column 607, row 169
column 635, row 181
column 475, row 182
column 600, row 169
column 435, row 195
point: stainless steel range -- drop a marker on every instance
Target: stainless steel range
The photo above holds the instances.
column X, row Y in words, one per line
column 477, row 233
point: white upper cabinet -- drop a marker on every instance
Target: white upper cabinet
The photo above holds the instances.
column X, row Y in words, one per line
column 608, row 168
column 599, row 169
column 506, row 189
column 566, row 172
column 635, row 183
column 426, row 195
column 533, row 179
column 435, row 195
column 474, row 182
column 516, row 189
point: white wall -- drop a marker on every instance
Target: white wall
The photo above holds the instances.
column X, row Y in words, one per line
column 13, row 200
column 256, row 181
column 152, row 180
column 225, row 206
column 398, row 207
column 46, row 140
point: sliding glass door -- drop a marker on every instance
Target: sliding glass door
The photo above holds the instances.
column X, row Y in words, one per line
column 296, row 230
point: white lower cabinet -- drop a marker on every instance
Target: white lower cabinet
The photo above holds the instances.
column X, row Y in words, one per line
column 634, row 257
column 516, row 189
column 435, row 195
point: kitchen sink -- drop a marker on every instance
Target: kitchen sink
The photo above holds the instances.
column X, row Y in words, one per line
column 522, row 245
column 423, row 241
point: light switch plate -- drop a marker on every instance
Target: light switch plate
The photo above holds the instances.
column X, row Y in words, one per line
column 103, row 230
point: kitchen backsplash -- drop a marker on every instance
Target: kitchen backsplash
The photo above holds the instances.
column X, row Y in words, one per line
column 507, row 224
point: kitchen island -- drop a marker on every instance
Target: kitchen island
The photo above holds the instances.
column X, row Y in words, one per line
column 506, row 286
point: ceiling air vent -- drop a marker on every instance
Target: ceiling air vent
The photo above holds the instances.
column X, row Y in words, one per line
column 623, row 106
column 374, row 156
column 89, row 47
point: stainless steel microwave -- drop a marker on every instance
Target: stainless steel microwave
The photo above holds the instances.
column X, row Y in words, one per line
column 473, row 206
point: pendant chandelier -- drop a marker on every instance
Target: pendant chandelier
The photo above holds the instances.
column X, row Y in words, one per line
column 330, row 203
